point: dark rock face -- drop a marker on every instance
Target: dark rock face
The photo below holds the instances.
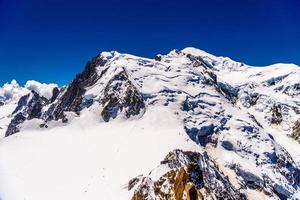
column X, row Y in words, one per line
column 296, row 130
column 29, row 107
column 55, row 94
column 212, row 77
column 198, row 61
column 275, row 80
column 201, row 135
column 227, row 145
column 250, row 100
column 21, row 103
column 288, row 168
column 13, row 126
column 249, row 180
column 276, row 114
column 158, row 57
column 228, row 91
column 68, row 99
column 72, row 97
column 292, row 90
column 121, row 95
column 190, row 104
column 192, row 175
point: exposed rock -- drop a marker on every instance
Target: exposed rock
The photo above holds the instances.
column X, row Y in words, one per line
column 250, row 99
column 282, row 163
column 29, row 107
column 190, row 176
column 195, row 176
column 228, row 91
column 227, row 145
column 296, row 130
column 132, row 183
column 288, row 168
column 292, row 90
column 72, row 97
column 21, row 103
column 210, row 120
column 190, row 104
column 55, row 94
column 13, row 126
column 276, row 114
column 198, row 61
column 201, row 135
column 158, row 57
column 275, row 80
column 249, row 180
column 121, row 95
column 213, row 77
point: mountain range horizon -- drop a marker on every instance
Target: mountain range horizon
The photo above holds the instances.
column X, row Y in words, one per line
column 187, row 125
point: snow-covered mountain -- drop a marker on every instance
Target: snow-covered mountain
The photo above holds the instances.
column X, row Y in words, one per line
column 12, row 95
column 186, row 125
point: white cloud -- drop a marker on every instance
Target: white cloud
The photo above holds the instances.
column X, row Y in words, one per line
column 11, row 91
column 45, row 90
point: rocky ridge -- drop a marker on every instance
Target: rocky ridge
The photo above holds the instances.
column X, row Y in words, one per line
column 238, row 118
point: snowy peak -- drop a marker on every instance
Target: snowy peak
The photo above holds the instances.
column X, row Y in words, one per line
column 228, row 130
column 197, row 52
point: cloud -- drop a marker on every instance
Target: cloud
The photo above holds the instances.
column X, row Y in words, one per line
column 11, row 91
column 45, row 90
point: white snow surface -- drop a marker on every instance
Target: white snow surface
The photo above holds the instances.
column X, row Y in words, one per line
column 89, row 159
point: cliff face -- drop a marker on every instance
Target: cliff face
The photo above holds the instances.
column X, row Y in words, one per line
column 29, row 107
column 120, row 94
column 71, row 98
column 296, row 130
column 186, row 175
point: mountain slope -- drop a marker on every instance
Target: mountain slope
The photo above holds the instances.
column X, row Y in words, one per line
column 13, row 97
column 235, row 128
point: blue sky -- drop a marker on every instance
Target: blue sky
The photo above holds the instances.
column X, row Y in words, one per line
column 51, row 40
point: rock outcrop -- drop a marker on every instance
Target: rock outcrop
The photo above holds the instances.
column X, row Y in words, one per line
column 276, row 114
column 29, row 107
column 121, row 95
column 190, row 175
column 71, row 98
column 296, row 130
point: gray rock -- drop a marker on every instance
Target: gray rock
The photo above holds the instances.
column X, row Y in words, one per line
column 121, row 95
column 227, row 145
column 29, row 107
column 72, row 98
column 276, row 114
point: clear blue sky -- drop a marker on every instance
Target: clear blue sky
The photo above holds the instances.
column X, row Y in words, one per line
column 51, row 40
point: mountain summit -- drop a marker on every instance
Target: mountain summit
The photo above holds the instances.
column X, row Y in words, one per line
column 186, row 125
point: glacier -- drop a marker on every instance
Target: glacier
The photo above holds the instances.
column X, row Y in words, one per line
column 186, row 125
